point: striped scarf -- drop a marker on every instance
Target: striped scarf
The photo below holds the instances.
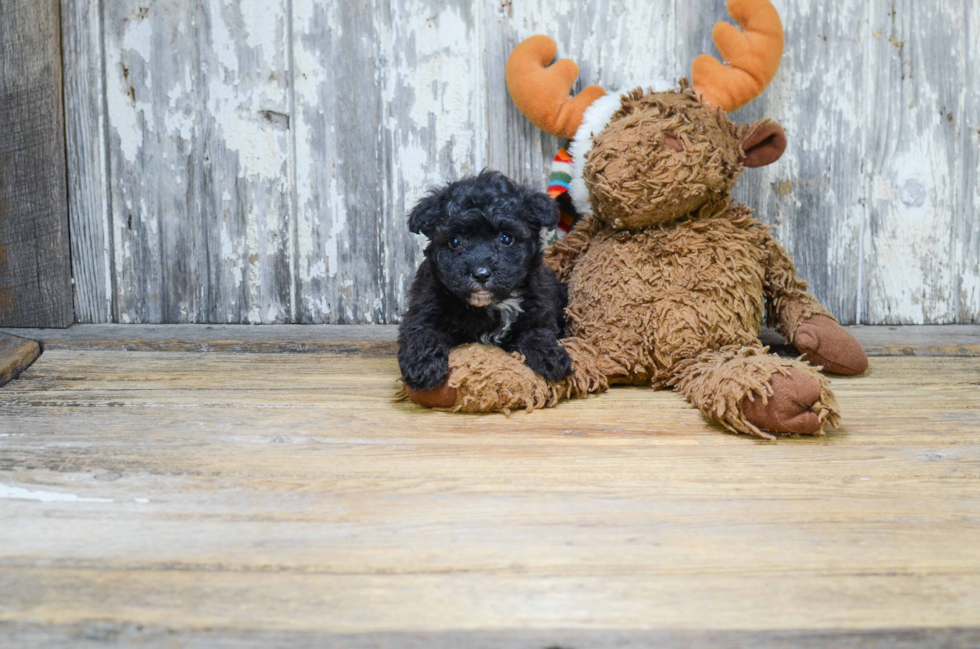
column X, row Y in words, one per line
column 558, row 183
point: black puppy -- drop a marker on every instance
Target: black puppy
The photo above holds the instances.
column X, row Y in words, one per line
column 483, row 280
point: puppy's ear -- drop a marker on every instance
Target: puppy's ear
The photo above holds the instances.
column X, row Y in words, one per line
column 427, row 213
column 540, row 210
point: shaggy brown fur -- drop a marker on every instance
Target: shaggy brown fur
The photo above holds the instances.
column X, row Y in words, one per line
column 668, row 281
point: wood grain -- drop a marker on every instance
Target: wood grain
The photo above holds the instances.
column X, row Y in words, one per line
column 922, row 340
column 88, row 161
column 290, row 339
column 367, row 152
column 198, row 125
column 340, row 171
column 967, row 234
column 98, row 634
column 268, row 152
column 16, row 355
column 159, row 496
column 35, row 272
column 923, row 262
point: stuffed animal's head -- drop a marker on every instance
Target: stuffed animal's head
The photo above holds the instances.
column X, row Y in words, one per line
column 654, row 154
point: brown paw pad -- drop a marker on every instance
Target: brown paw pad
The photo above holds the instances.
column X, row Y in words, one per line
column 830, row 346
column 790, row 409
column 441, row 397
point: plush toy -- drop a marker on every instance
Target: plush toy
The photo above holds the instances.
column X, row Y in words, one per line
column 669, row 278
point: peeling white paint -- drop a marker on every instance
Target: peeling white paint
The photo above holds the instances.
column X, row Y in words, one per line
column 202, row 159
column 224, row 43
column 912, row 263
column 207, row 162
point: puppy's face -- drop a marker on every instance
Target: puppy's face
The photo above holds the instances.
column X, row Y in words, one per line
column 485, row 235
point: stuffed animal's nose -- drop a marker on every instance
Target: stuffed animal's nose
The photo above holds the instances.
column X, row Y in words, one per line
column 481, row 273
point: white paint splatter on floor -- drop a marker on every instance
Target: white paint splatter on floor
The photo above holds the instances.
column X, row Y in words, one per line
column 20, row 493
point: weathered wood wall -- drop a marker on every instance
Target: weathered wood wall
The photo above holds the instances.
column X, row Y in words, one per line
column 35, row 267
column 252, row 160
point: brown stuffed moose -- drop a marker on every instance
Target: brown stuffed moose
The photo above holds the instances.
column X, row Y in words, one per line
column 668, row 277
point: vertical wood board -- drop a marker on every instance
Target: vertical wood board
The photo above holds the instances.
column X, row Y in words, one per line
column 198, row 129
column 389, row 100
column 920, row 222
column 87, row 149
column 35, row 274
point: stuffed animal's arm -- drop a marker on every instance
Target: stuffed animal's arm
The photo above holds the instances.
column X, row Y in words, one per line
column 804, row 321
column 788, row 302
column 561, row 256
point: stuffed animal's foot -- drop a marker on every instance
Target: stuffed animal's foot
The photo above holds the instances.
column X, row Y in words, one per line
column 826, row 343
column 750, row 391
column 441, row 397
column 487, row 379
column 800, row 403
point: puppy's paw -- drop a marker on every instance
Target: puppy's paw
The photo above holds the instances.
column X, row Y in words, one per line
column 426, row 375
column 553, row 363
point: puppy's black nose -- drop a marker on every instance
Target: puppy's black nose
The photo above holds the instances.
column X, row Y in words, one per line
column 481, row 274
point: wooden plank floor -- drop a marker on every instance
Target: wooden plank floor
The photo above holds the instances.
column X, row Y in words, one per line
column 193, row 499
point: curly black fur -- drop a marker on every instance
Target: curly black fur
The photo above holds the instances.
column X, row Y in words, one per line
column 483, row 280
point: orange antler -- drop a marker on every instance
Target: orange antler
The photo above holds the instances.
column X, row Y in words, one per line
column 753, row 56
column 541, row 93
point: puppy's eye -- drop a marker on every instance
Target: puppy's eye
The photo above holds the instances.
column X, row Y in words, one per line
column 455, row 243
column 506, row 239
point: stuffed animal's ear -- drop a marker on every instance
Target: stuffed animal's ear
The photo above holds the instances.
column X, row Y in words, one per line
column 764, row 143
column 540, row 210
column 427, row 213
